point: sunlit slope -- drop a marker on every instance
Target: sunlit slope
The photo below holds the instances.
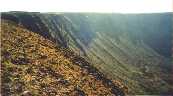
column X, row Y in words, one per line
column 135, row 49
column 34, row 65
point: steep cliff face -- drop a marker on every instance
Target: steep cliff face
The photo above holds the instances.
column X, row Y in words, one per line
column 134, row 49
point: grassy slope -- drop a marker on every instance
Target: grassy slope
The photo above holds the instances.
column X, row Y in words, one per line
column 130, row 66
column 114, row 46
column 115, row 51
column 32, row 63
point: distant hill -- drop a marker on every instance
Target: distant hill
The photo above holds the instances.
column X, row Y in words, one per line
column 132, row 48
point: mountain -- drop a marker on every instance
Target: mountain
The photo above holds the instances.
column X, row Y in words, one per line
column 134, row 49
column 33, row 65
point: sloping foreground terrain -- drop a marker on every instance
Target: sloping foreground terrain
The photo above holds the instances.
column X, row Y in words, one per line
column 134, row 49
column 34, row 66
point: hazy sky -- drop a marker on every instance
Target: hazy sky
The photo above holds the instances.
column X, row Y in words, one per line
column 120, row 6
